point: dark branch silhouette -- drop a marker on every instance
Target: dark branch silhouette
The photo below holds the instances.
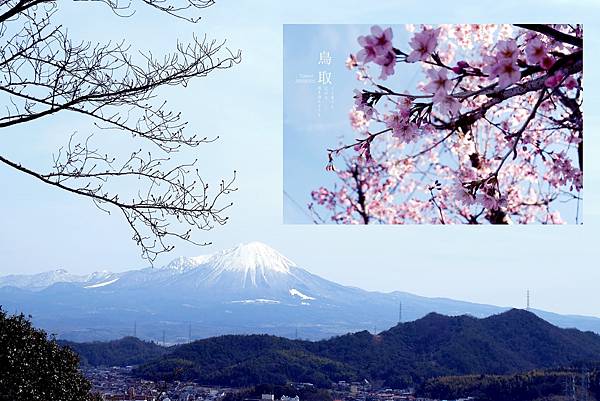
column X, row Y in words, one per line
column 44, row 72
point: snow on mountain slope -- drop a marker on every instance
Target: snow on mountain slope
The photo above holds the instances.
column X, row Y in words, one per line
column 257, row 301
column 249, row 270
column 251, row 265
column 104, row 284
column 295, row 293
column 182, row 263
column 250, row 257
column 43, row 280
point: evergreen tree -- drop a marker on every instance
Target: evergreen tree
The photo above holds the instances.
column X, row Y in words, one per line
column 34, row 367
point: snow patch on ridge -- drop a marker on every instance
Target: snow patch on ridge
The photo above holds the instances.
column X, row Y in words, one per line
column 182, row 263
column 256, row 301
column 294, row 292
column 102, row 284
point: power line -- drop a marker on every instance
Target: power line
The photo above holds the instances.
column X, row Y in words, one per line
column 298, row 205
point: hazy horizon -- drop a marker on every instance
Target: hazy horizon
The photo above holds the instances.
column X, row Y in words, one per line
column 519, row 304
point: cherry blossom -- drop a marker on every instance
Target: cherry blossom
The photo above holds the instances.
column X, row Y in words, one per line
column 376, row 47
column 351, row 62
column 460, row 67
column 368, row 52
column 547, row 62
column 358, row 119
column 361, row 104
column 554, row 80
column 382, row 39
column 508, row 73
column 571, row 82
column 503, row 64
column 507, row 50
column 423, row 44
column 447, row 105
column 463, row 195
column 401, row 128
column 562, row 172
column 439, row 81
column 535, row 50
column 387, row 62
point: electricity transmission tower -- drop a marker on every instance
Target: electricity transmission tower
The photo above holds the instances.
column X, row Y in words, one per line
column 400, row 313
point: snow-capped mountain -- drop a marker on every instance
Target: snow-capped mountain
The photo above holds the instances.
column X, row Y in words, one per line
column 183, row 263
column 252, row 269
column 248, row 269
column 250, row 288
column 251, row 259
column 43, row 280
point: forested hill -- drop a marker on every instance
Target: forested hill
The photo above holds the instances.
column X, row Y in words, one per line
column 124, row 352
column 435, row 345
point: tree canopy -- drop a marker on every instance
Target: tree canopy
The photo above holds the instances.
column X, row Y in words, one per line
column 34, row 367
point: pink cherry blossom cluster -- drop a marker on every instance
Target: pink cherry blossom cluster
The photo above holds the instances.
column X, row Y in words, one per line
column 377, row 48
column 361, row 104
column 493, row 137
column 423, row 45
column 561, row 172
column 503, row 64
column 440, row 86
column 398, row 121
column 362, row 176
column 358, row 120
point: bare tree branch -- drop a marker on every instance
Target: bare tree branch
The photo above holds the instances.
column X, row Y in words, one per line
column 43, row 72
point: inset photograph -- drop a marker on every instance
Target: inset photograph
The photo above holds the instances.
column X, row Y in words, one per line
column 433, row 124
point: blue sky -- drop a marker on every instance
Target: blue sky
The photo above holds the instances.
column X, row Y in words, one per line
column 45, row 229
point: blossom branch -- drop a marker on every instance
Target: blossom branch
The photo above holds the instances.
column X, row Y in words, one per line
column 448, row 125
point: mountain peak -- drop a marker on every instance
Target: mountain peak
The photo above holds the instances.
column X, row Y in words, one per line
column 251, row 256
column 516, row 314
column 246, row 256
column 184, row 263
